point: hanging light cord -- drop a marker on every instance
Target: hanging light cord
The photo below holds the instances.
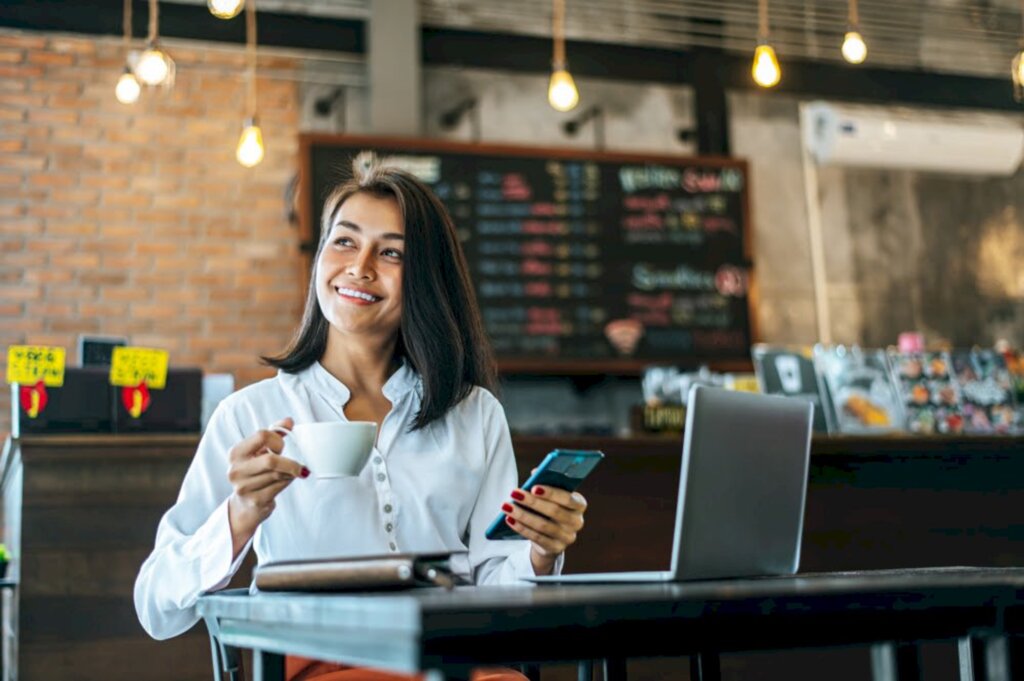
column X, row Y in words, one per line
column 250, row 49
column 558, row 30
column 762, row 20
column 154, row 20
column 854, row 17
column 127, row 23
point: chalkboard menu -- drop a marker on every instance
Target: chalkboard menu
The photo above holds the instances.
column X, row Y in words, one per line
column 608, row 260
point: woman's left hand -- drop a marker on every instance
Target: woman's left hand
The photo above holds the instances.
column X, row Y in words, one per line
column 550, row 518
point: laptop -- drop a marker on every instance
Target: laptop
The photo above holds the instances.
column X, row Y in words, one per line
column 742, row 488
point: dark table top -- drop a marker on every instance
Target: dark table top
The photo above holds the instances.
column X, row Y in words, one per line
column 421, row 628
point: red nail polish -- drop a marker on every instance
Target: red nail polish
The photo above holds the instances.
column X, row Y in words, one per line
column 539, row 491
column 507, row 508
column 510, row 521
column 517, row 495
column 305, row 472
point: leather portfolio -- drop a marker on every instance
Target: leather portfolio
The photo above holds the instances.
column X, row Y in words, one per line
column 392, row 571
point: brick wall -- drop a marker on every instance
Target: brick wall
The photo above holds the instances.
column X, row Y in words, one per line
column 136, row 220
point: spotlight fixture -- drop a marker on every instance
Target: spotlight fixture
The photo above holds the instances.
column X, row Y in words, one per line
column 325, row 105
column 593, row 114
column 452, row 117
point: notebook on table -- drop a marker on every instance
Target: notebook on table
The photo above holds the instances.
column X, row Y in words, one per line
column 390, row 571
column 742, row 488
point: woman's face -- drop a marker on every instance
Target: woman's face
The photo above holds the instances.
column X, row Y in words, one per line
column 359, row 271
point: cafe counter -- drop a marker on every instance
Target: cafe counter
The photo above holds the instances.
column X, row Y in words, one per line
column 80, row 515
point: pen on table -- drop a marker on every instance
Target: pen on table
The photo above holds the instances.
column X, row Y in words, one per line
column 434, row 576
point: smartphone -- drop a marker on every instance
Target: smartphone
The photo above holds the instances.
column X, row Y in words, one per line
column 563, row 469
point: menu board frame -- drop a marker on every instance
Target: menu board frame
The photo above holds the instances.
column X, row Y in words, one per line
column 623, row 366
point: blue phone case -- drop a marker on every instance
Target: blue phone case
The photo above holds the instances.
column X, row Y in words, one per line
column 563, row 469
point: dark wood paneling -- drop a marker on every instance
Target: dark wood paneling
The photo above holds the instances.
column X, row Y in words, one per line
column 73, row 619
column 89, row 515
column 871, row 502
column 90, row 527
column 107, row 572
column 134, row 658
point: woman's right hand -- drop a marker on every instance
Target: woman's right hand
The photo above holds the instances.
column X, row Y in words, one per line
column 258, row 473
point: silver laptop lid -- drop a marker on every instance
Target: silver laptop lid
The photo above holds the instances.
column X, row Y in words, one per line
column 742, row 485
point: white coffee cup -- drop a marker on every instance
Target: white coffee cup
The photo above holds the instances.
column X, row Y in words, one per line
column 331, row 449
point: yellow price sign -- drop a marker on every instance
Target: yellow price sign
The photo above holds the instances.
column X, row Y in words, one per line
column 29, row 364
column 743, row 382
column 131, row 366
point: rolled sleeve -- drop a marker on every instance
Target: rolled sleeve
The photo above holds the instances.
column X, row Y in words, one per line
column 215, row 566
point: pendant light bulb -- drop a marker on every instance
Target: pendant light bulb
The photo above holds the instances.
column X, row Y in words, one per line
column 128, row 88
column 154, row 66
column 562, row 92
column 250, row 144
column 1018, row 69
column 766, row 69
column 225, row 9
column 855, row 50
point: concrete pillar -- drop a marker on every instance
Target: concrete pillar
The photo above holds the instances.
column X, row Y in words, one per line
column 396, row 102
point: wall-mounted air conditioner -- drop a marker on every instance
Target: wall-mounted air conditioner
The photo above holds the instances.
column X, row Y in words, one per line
column 890, row 137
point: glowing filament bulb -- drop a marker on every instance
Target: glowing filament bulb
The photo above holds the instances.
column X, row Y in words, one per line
column 250, row 145
column 855, row 50
column 562, row 92
column 766, row 69
column 225, row 9
column 128, row 88
column 154, row 66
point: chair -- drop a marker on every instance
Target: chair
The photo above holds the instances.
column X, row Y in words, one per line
column 227, row 660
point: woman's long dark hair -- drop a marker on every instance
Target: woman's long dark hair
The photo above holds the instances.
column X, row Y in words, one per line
column 441, row 335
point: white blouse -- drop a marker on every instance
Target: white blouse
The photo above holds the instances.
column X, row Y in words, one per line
column 435, row 489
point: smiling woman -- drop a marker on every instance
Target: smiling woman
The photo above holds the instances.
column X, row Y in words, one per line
column 391, row 334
